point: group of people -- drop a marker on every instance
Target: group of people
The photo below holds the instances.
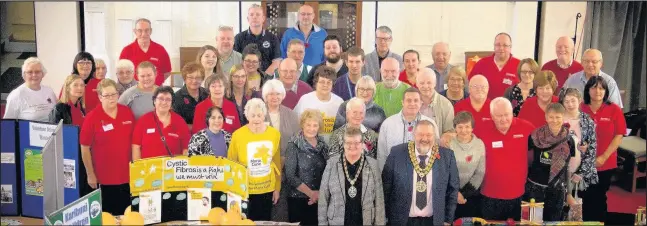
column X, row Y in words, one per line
column 369, row 139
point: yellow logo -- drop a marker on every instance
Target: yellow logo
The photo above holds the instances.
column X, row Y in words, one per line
column 263, row 153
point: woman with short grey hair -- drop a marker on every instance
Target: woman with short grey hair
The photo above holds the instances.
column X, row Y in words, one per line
column 284, row 119
column 356, row 112
column 125, row 75
column 365, row 89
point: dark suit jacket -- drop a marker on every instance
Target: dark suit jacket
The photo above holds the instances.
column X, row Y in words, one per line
column 397, row 178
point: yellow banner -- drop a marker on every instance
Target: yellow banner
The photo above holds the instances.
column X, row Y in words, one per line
column 182, row 172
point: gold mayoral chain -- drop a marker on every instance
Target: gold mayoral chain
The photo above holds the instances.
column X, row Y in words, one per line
column 421, row 186
column 352, row 191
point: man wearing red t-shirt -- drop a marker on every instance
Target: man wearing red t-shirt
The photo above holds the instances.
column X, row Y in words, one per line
column 500, row 69
column 477, row 103
column 506, row 165
column 564, row 65
column 144, row 49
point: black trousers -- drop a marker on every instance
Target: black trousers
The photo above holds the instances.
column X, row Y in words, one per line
column 553, row 198
column 420, row 221
column 115, row 198
column 501, row 209
column 260, row 207
column 594, row 198
column 300, row 211
column 472, row 208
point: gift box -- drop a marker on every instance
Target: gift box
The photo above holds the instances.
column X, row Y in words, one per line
column 532, row 211
column 640, row 216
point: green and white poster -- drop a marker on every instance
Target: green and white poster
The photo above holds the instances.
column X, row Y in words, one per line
column 33, row 172
column 85, row 211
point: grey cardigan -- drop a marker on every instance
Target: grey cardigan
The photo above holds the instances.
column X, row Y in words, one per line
column 372, row 64
column 288, row 126
column 332, row 195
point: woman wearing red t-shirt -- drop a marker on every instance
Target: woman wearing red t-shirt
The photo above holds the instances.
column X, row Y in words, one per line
column 217, row 85
column 105, row 147
column 610, row 127
column 160, row 132
column 411, row 67
column 534, row 108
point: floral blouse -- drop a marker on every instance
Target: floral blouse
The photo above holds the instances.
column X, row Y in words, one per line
column 587, row 168
column 199, row 143
column 516, row 98
column 369, row 138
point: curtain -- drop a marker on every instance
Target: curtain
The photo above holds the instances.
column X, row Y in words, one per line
column 618, row 30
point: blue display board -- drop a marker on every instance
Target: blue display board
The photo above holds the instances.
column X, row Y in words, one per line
column 9, row 181
column 32, row 137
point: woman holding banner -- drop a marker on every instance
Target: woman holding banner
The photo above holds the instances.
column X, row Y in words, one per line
column 256, row 146
column 160, row 132
column 107, row 130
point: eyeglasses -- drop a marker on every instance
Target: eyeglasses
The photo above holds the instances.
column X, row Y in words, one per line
column 254, row 62
column 238, row 76
column 288, row 71
column 33, row 72
column 110, row 96
column 526, row 72
column 382, row 39
column 306, row 14
column 352, row 144
column 364, row 90
column 125, row 73
column 85, row 63
column 502, row 46
column 590, row 61
column 164, row 99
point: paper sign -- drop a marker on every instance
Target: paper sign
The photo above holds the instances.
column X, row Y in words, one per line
column 69, row 169
column 33, row 172
column 182, row 173
column 234, row 203
column 7, row 193
column 39, row 133
column 150, row 206
column 8, row 158
column 199, row 203
column 84, row 211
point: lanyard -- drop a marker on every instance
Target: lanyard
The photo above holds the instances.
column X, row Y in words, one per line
column 348, row 86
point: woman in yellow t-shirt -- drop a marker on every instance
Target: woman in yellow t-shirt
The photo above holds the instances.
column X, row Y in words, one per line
column 256, row 146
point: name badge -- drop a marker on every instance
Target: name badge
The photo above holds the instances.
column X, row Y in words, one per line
column 517, row 136
column 445, row 86
column 497, row 144
column 151, row 130
column 507, row 81
column 108, row 127
column 229, row 120
column 510, row 74
column 127, row 122
column 173, row 135
column 605, row 119
column 154, row 59
column 486, row 119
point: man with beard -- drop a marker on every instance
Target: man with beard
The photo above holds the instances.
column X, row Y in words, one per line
column 390, row 90
column 332, row 52
column 420, row 181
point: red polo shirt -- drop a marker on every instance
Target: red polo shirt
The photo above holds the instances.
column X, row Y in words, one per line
column 146, row 135
column 609, row 122
column 91, row 95
column 506, row 164
column 230, row 115
column 403, row 78
column 156, row 54
column 498, row 80
column 531, row 112
column 561, row 73
column 110, row 142
column 481, row 118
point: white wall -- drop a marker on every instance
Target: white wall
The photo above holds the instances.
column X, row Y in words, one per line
column 559, row 20
column 57, row 39
column 466, row 26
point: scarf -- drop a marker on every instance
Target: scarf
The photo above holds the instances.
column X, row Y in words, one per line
column 544, row 140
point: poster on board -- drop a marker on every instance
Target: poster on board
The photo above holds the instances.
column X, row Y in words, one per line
column 33, row 172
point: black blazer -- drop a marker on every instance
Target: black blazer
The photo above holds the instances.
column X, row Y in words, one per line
column 397, row 178
column 62, row 111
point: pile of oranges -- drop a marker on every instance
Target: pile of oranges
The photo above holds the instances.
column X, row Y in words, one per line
column 216, row 216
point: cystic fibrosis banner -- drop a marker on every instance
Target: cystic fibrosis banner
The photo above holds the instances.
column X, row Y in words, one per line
column 84, row 211
column 183, row 173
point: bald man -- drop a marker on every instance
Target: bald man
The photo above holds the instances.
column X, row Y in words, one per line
column 592, row 63
column 312, row 35
column 390, row 91
column 564, row 66
column 294, row 88
column 477, row 103
column 500, row 68
column 441, row 66
column 434, row 105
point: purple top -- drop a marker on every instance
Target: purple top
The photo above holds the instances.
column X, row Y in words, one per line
column 217, row 142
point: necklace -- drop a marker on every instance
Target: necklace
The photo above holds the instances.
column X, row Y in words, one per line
column 352, row 191
column 421, row 186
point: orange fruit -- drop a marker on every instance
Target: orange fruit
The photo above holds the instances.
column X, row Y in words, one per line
column 215, row 215
column 132, row 218
column 108, row 219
